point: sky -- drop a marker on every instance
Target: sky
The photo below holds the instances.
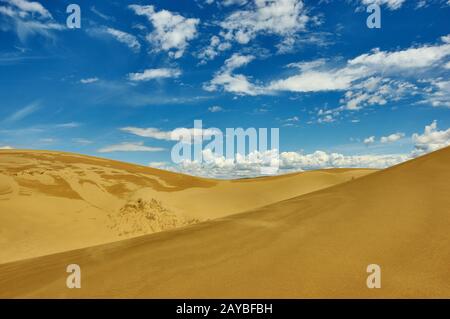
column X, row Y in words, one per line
column 342, row 94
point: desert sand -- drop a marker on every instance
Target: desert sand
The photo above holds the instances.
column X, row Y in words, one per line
column 53, row 202
column 315, row 244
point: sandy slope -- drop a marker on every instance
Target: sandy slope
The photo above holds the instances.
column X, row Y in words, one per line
column 52, row 202
column 315, row 245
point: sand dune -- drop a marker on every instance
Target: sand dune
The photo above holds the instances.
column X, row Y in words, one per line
column 53, row 202
column 315, row 245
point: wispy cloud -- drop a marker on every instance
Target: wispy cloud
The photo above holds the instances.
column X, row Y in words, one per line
column 126, row 38
column 89, row 80
column 29, row 18
column 129, row 147
column 23, row 112
column 68, row 125
column 101, row 14
column 215, row 109
column 173, row 135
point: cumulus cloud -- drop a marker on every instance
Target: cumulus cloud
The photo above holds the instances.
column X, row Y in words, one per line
column 371, row 79
column 252, row 164
column 216, row 45
column 431, row 139
column 438, row 95
column 172, row 32
column 281, row 18
column 376, row 91
column 278, row 17
column 316, row 76
column 129, row 147
column 6, row 147
column 369, row 140
column 392, row 137
column 234, row 83
column 152, row 74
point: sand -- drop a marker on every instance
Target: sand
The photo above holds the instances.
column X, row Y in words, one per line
column 53, row 202
column 313, row 245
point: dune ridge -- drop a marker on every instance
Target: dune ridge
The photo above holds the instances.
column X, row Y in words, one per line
column 54, row 201
column 313, row 245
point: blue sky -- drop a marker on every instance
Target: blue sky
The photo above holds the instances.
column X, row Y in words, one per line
column 340, row 93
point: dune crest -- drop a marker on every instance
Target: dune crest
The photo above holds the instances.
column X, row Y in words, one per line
column 314, row 245
column 53, row 201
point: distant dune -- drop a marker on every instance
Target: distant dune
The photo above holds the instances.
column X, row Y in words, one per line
column 53, row 202
column 314, row 245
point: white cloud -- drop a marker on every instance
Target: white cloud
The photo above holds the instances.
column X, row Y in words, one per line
column 215, row 109
column 408, row 59
column 326, row 119
column 431, row 139
column 438, row 94
column 314, row 76
column 251, row 164
column 392, row 137
column 101, row 15
column 31, row 7
column 128, row 39
column 68, row 125
column 23, row 112
column 172, row 32
column 215, row 46
column 248, row 165
column 318, row 80
column 162, row 165
column 321, row 159
column 280, row 17
column 149, row 132
column 376, row 91
column 375, row 78
column 152, row 74
column 82, row 141
column 227, row 2
column 129, row 147
column 293, row 119
column 172, row 135
column 89, row 80
column 6, row 147
column 369, row 140
column 233, row 83
column 29, row 18
column 391, row 4
column 236, row 61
